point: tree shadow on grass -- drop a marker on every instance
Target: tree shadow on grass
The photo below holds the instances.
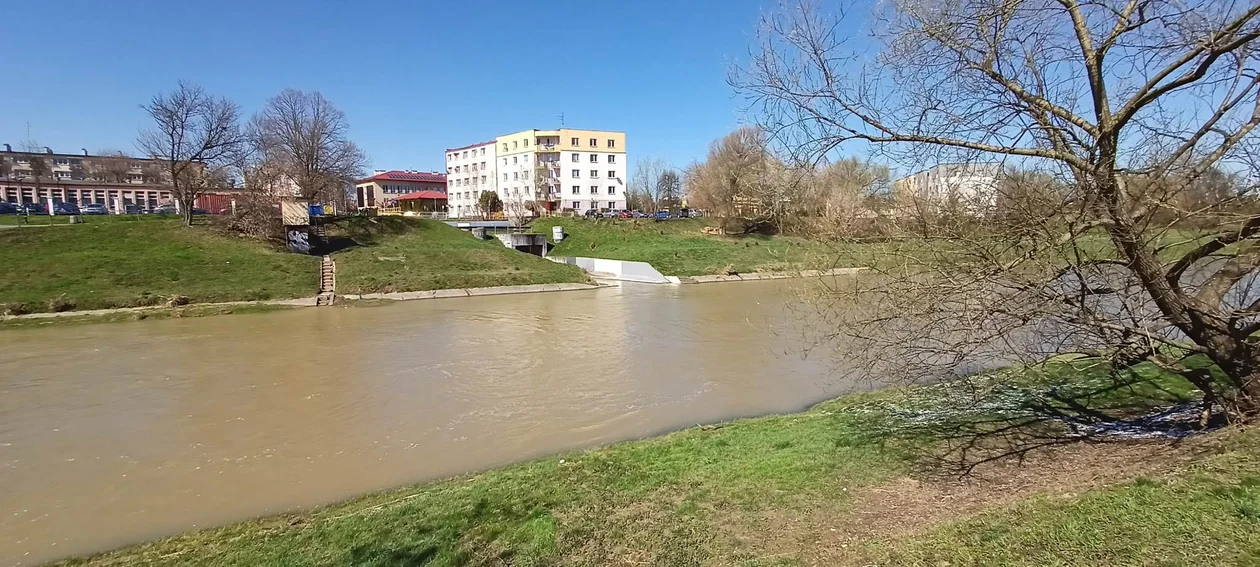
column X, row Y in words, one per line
column 412, row 556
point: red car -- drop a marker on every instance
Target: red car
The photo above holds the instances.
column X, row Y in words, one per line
column 625, row 215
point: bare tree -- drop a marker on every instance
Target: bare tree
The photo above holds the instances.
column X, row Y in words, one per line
column 113, row 166
column 308, row 135
column 743, row 181
column 6, row 169
column 643, row 183
column 1104, row 96
column 194, row 136
column 39, row 170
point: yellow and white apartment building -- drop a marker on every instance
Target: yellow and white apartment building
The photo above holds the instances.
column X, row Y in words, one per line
column 540, row 170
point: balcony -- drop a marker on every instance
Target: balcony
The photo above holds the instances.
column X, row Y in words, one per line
column 547, row 147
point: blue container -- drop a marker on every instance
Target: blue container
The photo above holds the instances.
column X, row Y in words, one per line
column 316, row 210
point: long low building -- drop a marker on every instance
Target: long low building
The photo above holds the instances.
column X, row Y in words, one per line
column 112, row 195
column 115, row 181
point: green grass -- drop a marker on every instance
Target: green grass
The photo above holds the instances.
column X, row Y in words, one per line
column 127, row 261
column 141, row 260
column 750, row 492
column 1209, row 515
column 405, row 254
column 677, row 247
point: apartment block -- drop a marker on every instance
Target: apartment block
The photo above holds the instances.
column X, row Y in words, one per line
column 540, row 171
column 80, row 178
column 469, row 171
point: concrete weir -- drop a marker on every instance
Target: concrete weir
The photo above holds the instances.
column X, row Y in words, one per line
column 618, row 270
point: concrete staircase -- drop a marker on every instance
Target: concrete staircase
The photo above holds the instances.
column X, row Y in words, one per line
column 327, row 282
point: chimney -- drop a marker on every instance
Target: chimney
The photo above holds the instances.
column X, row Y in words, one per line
column 47, row 150
column 8, row 148
column 84, row 151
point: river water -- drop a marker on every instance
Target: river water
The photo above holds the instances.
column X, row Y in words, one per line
column 116, row 433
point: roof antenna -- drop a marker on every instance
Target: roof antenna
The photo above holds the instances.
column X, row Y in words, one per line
column 562, row 120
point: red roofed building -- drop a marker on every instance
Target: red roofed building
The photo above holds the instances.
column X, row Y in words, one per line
column 386, row 186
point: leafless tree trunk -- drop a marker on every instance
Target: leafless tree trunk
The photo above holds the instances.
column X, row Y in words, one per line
column 308, row 135
column 193, row 136
column 1102, row 95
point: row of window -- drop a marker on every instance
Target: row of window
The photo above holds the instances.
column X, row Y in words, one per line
column 612, row 189
column 577, row 173
column 463, row 182
column 455, row 155
column 578, row 205
column 517, row 144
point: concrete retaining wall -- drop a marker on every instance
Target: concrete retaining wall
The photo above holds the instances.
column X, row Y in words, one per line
column 620, row 270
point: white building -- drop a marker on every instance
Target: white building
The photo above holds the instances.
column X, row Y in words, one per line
column 469, row 171
column 538, row 171
column 973, row 186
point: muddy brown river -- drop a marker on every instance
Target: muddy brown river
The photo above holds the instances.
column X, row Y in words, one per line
column 116, row 433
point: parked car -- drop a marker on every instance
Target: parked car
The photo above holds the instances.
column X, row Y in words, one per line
column 609, row 214
column 66, row 209
column 93, row 209
column 197, row 211
column 591, row 213
column 662, row 215
column 34, row 209
column 638, row 214
column 164, row 210
column 625, row 214
column 7, row 208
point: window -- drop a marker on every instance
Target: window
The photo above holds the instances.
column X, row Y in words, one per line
column 576, row 189
column 594, row 143
column 612, row 174
column 527, row 142
column 505, row 177
column 465, row 154
column 612, row 143
column 612, row 158
column 612, row 190
column 594, row 173
column 505, row 146
column 483, row 151
column 515, row 144
column 483, row 165
column 573, row 142
column 612, row 204
column 577, row 204
column 594, row 158
column 504, row 161
column 514, row 160
column 594, row 189
column 62, row 161
column 514, row 178
column 576, row 174
column 575, row 158
column 483, row 179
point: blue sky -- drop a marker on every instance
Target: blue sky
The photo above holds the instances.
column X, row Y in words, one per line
column 413, row 77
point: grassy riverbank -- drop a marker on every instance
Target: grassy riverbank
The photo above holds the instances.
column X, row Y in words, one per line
column 834, row 485
column 678, row 247
column 131, row 261
column 146, row 314
column 387, row 254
